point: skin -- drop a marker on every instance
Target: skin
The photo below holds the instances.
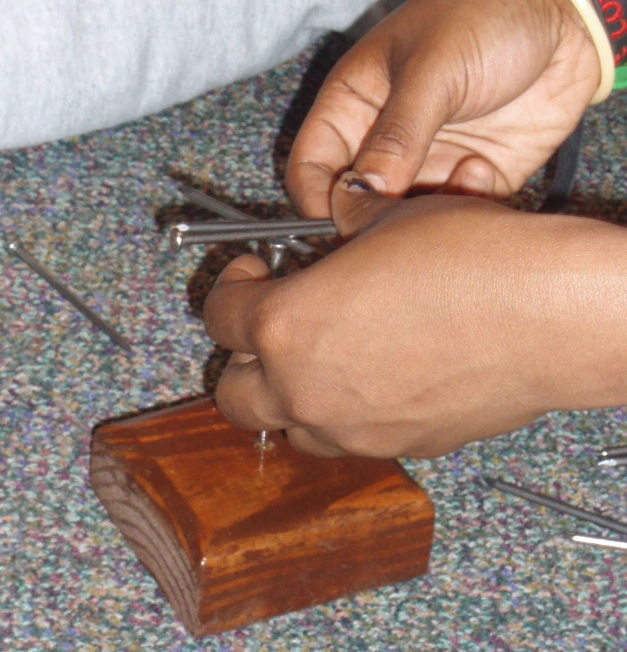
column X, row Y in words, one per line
column 474, row 95
column 443, row 319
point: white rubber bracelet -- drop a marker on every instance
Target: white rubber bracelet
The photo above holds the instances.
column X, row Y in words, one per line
column 602, row 44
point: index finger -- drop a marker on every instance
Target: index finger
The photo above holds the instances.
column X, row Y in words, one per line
column 330, row 139
column 230, row 307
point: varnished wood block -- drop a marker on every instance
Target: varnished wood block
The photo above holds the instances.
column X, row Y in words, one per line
column 236, row 535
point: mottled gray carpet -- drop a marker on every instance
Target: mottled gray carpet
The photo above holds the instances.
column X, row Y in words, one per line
column 503, row 574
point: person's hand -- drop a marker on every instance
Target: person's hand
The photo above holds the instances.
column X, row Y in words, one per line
column 470, row 95
column 448, row 319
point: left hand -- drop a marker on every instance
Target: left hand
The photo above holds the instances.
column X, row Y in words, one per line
column 471, row 95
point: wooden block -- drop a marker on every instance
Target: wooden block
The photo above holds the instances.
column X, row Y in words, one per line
column 235, row 535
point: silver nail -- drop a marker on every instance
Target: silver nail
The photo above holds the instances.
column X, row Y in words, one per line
column 66, row 293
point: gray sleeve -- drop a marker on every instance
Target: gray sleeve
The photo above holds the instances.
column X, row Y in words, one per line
column 73, row 66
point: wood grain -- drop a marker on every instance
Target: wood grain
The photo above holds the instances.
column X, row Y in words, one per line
column 235, row 535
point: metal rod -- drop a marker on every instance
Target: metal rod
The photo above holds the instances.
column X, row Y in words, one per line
column 614, row 456
column 277, row 256
column 260, row 231
column 284, row 235
column 262, row 439
column 66, row 293
column 619, row 460
column 226, row 225
column 297, row 246
column 557, row 505
column 224, row 210
column 614, row 451
column 211, row 203
column 605, row 543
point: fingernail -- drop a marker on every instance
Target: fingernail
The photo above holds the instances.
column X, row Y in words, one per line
column 379, row 184
column 354, row 182
column 244, row 268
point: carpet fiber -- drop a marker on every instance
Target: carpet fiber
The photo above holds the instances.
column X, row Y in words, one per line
column 503, row 575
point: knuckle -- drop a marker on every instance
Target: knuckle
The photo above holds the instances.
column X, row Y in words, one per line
column 301, row 408
column 392, row 138
column 272, row 326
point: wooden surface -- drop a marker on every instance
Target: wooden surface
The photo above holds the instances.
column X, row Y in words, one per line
column 236, row 535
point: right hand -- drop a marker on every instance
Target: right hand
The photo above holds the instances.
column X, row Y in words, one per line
column 445, row 320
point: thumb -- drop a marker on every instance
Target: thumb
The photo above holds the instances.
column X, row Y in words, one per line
column 229, row 309
column 355, row 205
column 396, row 148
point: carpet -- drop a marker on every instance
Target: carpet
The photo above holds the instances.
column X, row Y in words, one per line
column 94, row 209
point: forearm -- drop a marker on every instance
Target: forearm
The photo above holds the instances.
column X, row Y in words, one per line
column 581, row 302
column 550, row 289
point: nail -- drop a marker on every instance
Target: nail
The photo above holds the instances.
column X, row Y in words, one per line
column 277, row 257
column 224, row 210
column 379, row 184
column 354, row 182
column 180, row 237
column 68, row 294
